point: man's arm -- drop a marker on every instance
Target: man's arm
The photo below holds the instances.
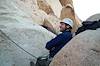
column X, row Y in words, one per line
column 57, row 41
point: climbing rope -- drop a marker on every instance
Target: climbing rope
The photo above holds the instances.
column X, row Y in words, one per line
column 17, row 44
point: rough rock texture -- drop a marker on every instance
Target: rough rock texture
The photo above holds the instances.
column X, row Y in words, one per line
column 82, row 50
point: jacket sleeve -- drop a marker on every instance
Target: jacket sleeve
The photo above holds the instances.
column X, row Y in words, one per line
column 57, row 41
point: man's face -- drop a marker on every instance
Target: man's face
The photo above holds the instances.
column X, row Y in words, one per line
column 62, row 26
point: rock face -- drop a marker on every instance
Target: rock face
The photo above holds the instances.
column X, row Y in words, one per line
column 31, row 37
column 82, row 50
column 26, row 37
column 23, row 33
column 11, row 52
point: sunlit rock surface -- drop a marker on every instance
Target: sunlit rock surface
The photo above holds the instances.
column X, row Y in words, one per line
column 82, row 50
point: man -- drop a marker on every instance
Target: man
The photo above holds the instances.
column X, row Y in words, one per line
column 60, row 40
column 57, row 43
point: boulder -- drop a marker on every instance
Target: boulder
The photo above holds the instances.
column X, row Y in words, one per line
column 22, row 39
column 22, row 33
column 82, row 50
column 94, row 17
column 19, row 45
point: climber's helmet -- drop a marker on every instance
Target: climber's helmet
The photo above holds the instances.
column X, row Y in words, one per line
column 66, row 23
